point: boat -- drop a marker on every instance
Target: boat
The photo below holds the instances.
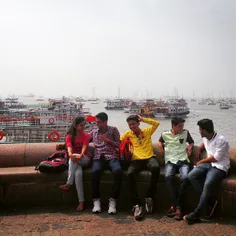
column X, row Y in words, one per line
column 48, row 123
column 224, row 106
column 39, row 99
column 115, row 104
column 132, row 108
column 172, row 108
column 13, row 103
column 30, row 95
column 147, row 108
column 93, row 100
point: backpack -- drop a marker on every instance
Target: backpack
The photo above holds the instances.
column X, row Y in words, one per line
column 57, row 162
column 126, row 150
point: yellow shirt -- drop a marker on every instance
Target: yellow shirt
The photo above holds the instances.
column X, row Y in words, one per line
column 143, row 145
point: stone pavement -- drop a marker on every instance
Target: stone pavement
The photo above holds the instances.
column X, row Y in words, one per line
column 66, row 221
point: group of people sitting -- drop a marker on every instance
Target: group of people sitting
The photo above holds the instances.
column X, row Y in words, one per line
column 175, row 146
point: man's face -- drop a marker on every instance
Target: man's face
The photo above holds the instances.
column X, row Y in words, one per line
column 202, row 132
column 101, row 124
column 133, row 125
column 178, row 128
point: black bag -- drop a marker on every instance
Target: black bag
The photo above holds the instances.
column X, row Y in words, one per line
column 57, row 162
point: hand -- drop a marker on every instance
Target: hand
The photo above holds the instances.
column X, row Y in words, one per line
column 189, row 150
column 198, row 163
column 73, row 158
column 161, row 151
column 78, row 157
column 140, row 117
column 102, row 138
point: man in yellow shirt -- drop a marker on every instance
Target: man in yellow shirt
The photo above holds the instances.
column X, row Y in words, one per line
column 143, row 158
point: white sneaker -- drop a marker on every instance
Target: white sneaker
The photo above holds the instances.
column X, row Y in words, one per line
column 96, row 206
column 112, row 206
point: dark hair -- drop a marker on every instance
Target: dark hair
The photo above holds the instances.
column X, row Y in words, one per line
column 72, row 129
column 206, row 124
column 102, row 116
column 133, row 117
column 177, row 120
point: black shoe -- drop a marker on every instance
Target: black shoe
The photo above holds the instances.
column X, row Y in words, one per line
column 171, row 212
column 148, row 205
column 191, row 218
column 138, row 212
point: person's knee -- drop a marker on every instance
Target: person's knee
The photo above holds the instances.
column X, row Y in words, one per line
column 169, row 176
column 130, row 173
column 78, row 173
column 191, row 175
column 96, row 171
column 184, row 178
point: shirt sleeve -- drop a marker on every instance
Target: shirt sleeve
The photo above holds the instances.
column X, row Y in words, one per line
column 68, row 141
column 116, row 135
column 222, row 147
column 154, row 124
column 124, row 136
column 161, row 139
column 189, row 138
column 86, row 140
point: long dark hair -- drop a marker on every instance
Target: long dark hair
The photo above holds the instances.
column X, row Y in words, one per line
column 72, row 129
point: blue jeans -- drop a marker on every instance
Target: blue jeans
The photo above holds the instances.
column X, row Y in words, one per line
column 170, row 171
column 97, row 170
column 205, row 179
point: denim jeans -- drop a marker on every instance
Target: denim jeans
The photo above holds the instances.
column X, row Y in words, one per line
column 97, row 170
column 170, row 170
column 135, row 166
column 206, row 180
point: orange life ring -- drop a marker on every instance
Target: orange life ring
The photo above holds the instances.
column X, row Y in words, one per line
column 1, row 135
column 51, row 121
column 54, row 136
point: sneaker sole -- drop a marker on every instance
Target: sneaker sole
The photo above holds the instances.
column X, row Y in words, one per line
column 111, row 213
column 140, row 216
column 191, row 221
column 96, row 212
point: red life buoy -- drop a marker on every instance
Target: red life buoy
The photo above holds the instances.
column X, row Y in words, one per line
column 1, row 135
column 51, row 121
column 53, row 136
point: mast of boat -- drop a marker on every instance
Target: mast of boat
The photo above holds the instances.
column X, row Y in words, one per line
column 118, row 91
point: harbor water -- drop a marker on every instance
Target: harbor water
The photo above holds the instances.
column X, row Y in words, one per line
column 224, row 120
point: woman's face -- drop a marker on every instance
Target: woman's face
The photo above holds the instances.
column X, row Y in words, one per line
column 80, row 127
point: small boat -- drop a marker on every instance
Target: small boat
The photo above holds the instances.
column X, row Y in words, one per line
column 224, row 106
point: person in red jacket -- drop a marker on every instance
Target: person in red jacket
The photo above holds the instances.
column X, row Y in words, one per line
column 77, row 142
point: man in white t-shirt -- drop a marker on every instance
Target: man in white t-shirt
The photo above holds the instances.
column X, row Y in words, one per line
column 211, row 169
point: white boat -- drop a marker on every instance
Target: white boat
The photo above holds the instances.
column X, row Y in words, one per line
column 115, row 104
column 48, row 123
column 224, row 106
column 132, row 108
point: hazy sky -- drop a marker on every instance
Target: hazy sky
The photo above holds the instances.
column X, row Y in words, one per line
column 145, row 47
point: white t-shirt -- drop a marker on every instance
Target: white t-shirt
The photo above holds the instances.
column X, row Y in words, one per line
column 219, row 148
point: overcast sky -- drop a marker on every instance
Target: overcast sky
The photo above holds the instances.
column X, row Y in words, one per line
column 145, row 47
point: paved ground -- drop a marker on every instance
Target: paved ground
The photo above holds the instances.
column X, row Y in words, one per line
column 54, row 222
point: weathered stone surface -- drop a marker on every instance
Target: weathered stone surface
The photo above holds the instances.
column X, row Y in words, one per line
column 69, row 222
column 36, row 152
column 12, row 155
